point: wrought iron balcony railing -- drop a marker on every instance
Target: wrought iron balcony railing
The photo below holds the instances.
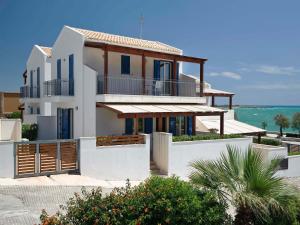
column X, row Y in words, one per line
column 58, row 87
column 30, row 91
column 126, row 85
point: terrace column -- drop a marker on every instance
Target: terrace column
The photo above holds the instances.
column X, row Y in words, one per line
column 222, row 124
column 201, row 79
column 194, row 125
column 105, row 70
column 230, row 102
column 213, row 101
column 144, row 73
column 136, row 125
column 174, row 77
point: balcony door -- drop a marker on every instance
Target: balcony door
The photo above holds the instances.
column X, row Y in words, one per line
column 162, row 77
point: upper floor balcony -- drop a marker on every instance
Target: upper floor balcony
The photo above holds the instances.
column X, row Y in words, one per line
column 58, row 87
column 129, row 85
column 30, row 91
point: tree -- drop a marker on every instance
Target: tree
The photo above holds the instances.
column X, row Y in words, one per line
column 281, row 121
column 296, row 122
column 249, row 183
column 264, row 125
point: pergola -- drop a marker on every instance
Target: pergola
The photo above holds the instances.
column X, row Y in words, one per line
column 147, row 53
column 159, row 111
column 217, row 93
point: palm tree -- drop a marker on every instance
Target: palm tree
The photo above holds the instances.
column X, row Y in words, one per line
column 264, row 125
column 296, row 122
column 281, row 121
column 248, row 183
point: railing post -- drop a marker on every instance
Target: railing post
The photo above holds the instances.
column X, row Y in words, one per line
column 58, row 157
column 37, row 158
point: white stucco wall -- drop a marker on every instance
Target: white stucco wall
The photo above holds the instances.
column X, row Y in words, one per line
column 293, row 167
column 108, row 123
column 118, row 162
column 70, row 42
column 181, row 154
column 10, row 129
column 7, row 159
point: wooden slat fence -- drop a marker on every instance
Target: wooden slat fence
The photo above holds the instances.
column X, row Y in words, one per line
column 120, row 140
column 36, row 158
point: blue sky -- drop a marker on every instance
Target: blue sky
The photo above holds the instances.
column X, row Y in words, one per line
column 253, row 47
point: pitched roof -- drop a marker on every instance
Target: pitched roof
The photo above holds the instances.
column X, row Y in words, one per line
column 128, row 41
column 47, row 50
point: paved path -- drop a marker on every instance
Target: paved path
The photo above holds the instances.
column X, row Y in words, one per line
column 22, row 200
column 23, row 204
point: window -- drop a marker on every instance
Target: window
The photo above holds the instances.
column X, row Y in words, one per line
column 129, row 126
column 38, row 110
column 58, row 68
column 125, row 64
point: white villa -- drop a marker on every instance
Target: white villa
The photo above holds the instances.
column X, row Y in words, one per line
column 93, row 84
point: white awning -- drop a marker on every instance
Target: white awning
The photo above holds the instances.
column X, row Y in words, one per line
column 230, row 126
column 161, row 109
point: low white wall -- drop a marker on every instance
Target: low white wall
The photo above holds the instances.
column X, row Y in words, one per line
column 270, row 152
column 293, row 167
column 30, row 118
column 10, row 129
column 181, row 154
column 118, row 162
column 6, row 159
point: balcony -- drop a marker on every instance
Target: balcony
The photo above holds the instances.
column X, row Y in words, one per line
column 30, row 91
column 59, row 87
column 126, row 85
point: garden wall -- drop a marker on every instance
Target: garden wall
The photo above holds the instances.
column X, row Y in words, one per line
column 177, row 156
column 119, row 162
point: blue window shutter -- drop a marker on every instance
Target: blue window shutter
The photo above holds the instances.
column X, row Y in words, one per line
column 148, row 125
column 71, row 67
column 189, row 127
column 129, row 126
column 156, row 70
column 125, row 64
column 71, row 75
column 31, row 84
column 58, row 68
column 172, row 125
column 38, row 81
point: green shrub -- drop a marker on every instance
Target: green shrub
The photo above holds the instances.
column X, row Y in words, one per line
column 30, row 131
column 14, row 115
column 210, row 136
column 267, row 141
column 156, row 201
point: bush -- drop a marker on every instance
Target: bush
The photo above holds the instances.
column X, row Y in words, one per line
column 156, row 201
column 30, row 131
column 267, row 141
column 292, row 135
column 210, row 136
column 14, row 115
column 293, row 217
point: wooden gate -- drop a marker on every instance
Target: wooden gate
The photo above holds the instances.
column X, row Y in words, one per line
column 38, row 158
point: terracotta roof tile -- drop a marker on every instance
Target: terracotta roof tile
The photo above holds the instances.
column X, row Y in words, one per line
column 47, row 50
column 128, row 41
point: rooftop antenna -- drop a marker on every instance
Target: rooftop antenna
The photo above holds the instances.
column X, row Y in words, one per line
column 141, row 25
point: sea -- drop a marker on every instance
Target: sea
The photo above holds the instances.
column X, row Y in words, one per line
column 255, row 115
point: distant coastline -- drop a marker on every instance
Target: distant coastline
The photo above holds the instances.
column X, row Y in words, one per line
column 256, row 114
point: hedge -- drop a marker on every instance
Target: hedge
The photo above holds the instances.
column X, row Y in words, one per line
column 155, row 201
column 204, row 137
column 267, row 141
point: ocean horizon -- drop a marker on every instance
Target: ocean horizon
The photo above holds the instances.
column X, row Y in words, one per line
column 256, row 114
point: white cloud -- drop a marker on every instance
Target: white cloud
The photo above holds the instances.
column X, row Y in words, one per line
column 272, row 86
column 231, row 75
column 269, row 69
column 277, row 70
